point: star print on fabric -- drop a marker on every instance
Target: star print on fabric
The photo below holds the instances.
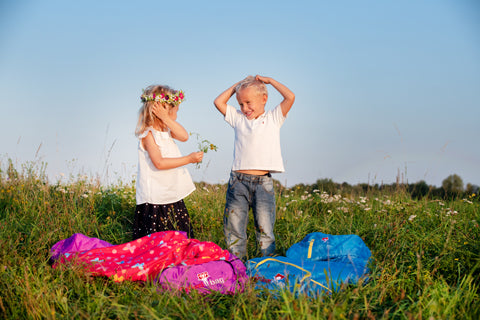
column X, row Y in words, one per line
column 141, row 273
column 130, row 247
column 139, row 266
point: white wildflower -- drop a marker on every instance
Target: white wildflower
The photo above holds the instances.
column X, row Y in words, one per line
column 451, row 212
column 62, row 190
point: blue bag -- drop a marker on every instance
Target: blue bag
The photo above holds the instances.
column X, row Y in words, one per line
column 319, row 263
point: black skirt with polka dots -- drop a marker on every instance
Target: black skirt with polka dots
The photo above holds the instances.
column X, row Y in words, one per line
column 151, row 218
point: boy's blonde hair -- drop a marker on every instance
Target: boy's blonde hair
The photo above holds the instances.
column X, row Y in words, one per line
column 250, row 81
column 146, row 117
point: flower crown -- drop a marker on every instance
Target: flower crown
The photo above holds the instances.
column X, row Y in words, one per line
column 176, row 98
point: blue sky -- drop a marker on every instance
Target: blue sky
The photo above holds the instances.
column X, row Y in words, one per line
column 383, row 89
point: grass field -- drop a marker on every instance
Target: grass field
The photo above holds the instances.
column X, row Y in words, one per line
column 426, row 253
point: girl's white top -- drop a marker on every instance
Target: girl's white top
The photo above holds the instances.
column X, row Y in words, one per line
column 257, row 141
column 161, row 186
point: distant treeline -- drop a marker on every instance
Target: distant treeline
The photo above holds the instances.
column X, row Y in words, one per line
column 452, row 187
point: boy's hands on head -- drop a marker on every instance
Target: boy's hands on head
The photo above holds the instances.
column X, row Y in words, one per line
column 265, row 80
column 288, row 96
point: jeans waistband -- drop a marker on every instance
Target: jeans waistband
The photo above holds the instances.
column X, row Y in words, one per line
column 251, row 177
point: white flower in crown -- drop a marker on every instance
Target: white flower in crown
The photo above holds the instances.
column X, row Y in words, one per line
column 175, row 98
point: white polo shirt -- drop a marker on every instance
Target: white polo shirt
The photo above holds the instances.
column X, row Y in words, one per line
column 257, row 141
column 161, row 186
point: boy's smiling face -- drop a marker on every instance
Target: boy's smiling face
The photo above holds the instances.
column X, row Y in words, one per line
column 252, row 103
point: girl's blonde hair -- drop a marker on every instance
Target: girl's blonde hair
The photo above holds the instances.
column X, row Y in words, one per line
column 146, row 117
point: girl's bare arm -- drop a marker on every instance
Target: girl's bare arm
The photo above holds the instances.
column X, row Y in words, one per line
column 162, row 163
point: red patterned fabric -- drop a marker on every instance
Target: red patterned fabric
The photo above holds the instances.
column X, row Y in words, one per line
column 146, row 257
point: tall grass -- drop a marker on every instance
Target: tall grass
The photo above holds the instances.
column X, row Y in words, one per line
column 426, row 253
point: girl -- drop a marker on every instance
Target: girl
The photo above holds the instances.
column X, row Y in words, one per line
column 162, row 179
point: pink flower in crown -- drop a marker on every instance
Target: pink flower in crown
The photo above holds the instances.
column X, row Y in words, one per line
column 153, row 95
column 175, row 98
column 162, row 96
column 181, row 95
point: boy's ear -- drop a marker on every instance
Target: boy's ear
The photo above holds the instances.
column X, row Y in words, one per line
column 265, row 98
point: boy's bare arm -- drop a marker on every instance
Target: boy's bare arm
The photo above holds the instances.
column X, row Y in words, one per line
column 287, row 94
column 221, row 101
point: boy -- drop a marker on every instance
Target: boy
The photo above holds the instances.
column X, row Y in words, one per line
column 256, row 154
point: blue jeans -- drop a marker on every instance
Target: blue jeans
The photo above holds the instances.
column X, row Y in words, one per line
column 247, row 191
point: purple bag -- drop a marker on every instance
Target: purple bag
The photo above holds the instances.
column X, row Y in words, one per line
column 76, row 243
column 224, row 276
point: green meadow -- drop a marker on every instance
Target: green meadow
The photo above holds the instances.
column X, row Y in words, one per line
column 426, row 252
